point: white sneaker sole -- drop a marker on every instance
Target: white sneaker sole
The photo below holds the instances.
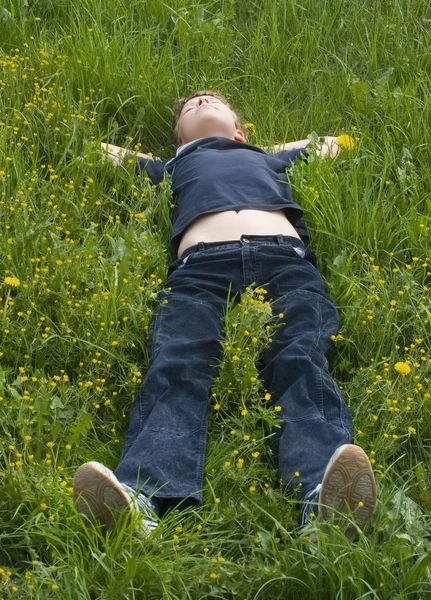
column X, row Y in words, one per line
column 98, row 494
column 348, row 487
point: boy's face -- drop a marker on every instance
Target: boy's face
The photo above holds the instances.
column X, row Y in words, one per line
column 206, row 116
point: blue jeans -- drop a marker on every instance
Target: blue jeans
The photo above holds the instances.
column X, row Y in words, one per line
column 164, row 449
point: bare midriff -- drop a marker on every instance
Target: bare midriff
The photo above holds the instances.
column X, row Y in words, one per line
column 232, row 224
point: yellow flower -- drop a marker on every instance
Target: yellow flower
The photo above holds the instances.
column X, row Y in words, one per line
column 402, row 368
column 251, row 128
column 345, row 141
column 277, row 408
column 12, row 281
column 412, row 430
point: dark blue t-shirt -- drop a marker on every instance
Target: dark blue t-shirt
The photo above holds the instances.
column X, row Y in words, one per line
column 216, row 174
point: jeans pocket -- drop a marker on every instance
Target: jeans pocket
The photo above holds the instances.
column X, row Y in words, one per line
column 174, row 266
column 294, row 250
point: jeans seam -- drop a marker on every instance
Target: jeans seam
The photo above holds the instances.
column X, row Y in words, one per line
column 319, row 383
column 202, row 454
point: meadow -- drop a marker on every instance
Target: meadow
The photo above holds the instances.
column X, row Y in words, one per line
column 84, row 250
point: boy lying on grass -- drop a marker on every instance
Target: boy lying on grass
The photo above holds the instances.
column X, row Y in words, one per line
column 235, row 224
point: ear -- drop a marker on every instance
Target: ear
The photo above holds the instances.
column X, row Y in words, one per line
column 239, row 136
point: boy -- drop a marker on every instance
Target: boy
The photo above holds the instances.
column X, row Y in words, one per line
column 235, row 224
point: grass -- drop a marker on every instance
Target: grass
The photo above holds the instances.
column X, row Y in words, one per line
column 89, row 246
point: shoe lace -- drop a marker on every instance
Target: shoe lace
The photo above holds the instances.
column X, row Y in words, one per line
column 144, row 505
column 310, row 506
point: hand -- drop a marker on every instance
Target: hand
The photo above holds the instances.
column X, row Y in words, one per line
column 327, row 146
column 115, row 153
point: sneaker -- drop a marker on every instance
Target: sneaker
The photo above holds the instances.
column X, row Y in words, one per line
column 99, row 496
column 348, row 487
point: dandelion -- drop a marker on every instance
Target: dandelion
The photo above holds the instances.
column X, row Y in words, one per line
column 345, row 141
column 251, row 128
column 402, row 368
column 12, row 281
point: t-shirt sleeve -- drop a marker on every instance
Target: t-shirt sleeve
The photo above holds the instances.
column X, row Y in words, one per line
column 290, row 156
column 155, row 169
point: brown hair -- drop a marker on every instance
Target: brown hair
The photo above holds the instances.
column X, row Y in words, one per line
column 179, row 105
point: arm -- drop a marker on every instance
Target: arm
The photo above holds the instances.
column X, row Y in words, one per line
column 117, row 154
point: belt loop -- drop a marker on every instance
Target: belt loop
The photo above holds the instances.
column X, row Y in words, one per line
column 280, row 239
column 201, row 246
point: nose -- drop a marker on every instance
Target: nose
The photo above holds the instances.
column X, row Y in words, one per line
column 202, row 100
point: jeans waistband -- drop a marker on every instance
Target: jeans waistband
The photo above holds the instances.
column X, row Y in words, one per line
column 252, row 240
